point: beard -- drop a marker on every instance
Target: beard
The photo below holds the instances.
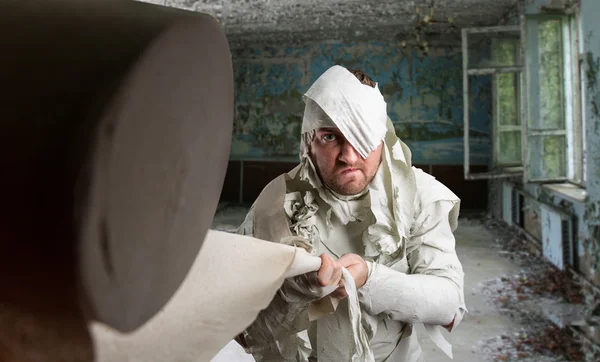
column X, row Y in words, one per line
column 347, row 183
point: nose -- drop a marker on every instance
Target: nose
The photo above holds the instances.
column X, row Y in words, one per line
column 348, row 154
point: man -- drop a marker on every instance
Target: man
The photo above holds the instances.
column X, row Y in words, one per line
column 356, row 199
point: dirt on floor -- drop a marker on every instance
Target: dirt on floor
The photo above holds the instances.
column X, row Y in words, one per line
column 524, row 296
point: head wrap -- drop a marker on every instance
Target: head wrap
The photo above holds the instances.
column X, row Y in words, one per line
column 358, row 110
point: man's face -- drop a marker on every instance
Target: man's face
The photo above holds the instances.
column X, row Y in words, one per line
column 339, row 165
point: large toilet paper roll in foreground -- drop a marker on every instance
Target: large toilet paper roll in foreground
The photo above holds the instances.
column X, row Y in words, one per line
column 155, row 174
column 232, row 279
column 114, row 142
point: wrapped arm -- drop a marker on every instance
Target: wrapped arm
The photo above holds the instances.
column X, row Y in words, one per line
column 272, row 336
column 433, row 291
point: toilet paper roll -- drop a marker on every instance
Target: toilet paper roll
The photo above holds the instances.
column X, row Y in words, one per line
column 232, row 279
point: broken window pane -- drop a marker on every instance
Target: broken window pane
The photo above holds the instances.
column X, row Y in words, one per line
column 493, row 49
column 480, row 113
column 547, row 157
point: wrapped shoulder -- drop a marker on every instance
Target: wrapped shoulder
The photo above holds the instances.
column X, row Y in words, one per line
column 434, row 202
column 430, row 190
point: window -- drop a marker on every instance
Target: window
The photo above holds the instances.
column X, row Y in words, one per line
column 554, row 128
column 493, row 56
column 536, row 120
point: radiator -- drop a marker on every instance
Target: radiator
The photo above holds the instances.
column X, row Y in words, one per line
column 557, row 237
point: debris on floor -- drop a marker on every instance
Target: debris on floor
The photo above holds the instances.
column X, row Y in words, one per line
column 545, row 299
column 542, row 343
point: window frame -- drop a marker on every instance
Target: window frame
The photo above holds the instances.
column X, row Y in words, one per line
column 572, row 108
column 574, row 93
column 496, row 172
column 497, row 127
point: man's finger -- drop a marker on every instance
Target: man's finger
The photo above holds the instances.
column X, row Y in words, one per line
column 326, row 271
column 337, row 273
column 357, row 267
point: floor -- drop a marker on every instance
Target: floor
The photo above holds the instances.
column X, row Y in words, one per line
column 479, row 256
column 481, row 261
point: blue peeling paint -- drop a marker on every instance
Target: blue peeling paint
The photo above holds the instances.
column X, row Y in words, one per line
column 424, row 97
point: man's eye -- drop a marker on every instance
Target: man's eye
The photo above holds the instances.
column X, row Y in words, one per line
column 329, row 137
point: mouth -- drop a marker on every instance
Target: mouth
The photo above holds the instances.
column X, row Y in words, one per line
column 348, row 170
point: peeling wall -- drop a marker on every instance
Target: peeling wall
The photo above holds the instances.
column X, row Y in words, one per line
column 424, row 97
column 547, row 6
column 532, row 219
column 591, row 34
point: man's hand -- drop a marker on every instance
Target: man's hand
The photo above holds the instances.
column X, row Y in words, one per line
column 359, row 270
column 330, row 272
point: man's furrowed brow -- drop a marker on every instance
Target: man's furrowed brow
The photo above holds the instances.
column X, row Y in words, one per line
column 328, row 129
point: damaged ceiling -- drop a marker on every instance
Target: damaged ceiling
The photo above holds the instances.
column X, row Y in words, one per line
column 299, row 21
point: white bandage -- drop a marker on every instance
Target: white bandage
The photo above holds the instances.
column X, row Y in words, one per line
column 358, row 110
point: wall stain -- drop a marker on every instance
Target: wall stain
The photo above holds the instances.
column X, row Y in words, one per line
column 424, row 98
column 591, row 215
